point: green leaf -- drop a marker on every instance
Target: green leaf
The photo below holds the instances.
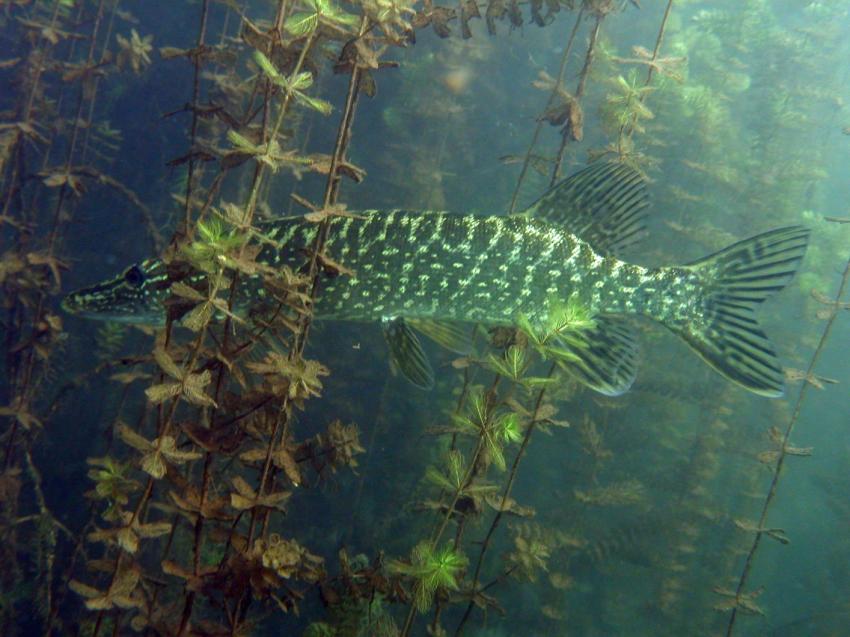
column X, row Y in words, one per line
column 456, row 468
column 301, row 24
column 243, row 143
column 515, row 360
column 330, row 13
column 574, row 315
column 431, row 569
column 344, row 19
column 561, row 355
column 535, row 382
column 301, row 81
column 266, row 65
column 438, row 479
column 508, row 428
column 494, row 449
column 452, row 479
column 315, row 103
column 478, row 408
column 464, row 425
column 523, row 322
column 512, row 365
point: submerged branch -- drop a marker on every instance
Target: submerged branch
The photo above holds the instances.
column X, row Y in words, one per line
column 553, row 96
column 783, row 451
column 506, row 494
column 582, row 81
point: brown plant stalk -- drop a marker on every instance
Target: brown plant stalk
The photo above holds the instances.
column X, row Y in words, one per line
column 506, row 494
column 540, row 122
column 627, row 129
column 280, row 428
column 783, row 450
column 582, row 81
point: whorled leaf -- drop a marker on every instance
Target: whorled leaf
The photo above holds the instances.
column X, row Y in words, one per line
column 166, row 363
column 157, row 394
column 245, row 497
column 314, row 103
column 121, row 593
column 301, row 23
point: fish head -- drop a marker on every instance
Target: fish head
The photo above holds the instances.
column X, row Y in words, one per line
column 136, row 295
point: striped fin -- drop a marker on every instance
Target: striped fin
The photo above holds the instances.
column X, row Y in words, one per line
column 455, row 336
column 603, row 204
column 406, row 354
column 737, row 279
column 606, row 355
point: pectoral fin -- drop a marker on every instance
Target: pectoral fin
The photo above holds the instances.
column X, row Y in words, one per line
column 455, row 336
column 605, row 355
column 406, row 354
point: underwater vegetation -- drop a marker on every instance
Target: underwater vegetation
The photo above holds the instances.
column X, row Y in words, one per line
column 239, row 458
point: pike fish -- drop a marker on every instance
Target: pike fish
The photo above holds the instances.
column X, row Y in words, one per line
column 421, row 270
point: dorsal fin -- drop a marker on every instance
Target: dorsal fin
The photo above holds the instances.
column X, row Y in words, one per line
column 602, row 204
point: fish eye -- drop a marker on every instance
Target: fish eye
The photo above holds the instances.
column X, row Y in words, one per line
column 134, row 276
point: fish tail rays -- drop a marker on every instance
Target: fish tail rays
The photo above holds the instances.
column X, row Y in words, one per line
column 724, row 330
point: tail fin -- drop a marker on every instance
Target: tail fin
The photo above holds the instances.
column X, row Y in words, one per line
column 737, row 279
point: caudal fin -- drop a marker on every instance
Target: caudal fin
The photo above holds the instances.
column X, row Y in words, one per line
column 737, row 279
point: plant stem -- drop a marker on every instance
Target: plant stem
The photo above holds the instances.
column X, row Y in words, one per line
column 539, row 125
column 628, row 130
column 196, row 88
column 780, row 461
column 588, row 60
column 300, row 337
column 506, row 493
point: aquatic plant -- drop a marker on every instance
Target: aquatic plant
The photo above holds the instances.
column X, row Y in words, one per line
column 739, row 599
column 46, row 141
column 220, row 250
column 432, row 570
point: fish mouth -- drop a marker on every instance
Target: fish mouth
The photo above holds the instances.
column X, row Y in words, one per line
column 69, row 307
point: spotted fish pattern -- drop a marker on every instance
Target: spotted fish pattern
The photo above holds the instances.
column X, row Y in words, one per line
column 491, row 269
column 471, row 268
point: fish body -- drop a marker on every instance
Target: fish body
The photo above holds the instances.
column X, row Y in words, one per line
column 470, row 268
column 474, row 268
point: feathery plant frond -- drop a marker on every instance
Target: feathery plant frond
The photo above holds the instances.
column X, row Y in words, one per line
column 625, row 106
column 508, row 428
column 512, row 364
column 215, row 240
column 480, row 421
column 432, row 569
column 563, row 319
column 453, row 477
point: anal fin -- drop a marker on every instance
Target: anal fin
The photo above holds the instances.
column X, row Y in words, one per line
column 606, row 355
